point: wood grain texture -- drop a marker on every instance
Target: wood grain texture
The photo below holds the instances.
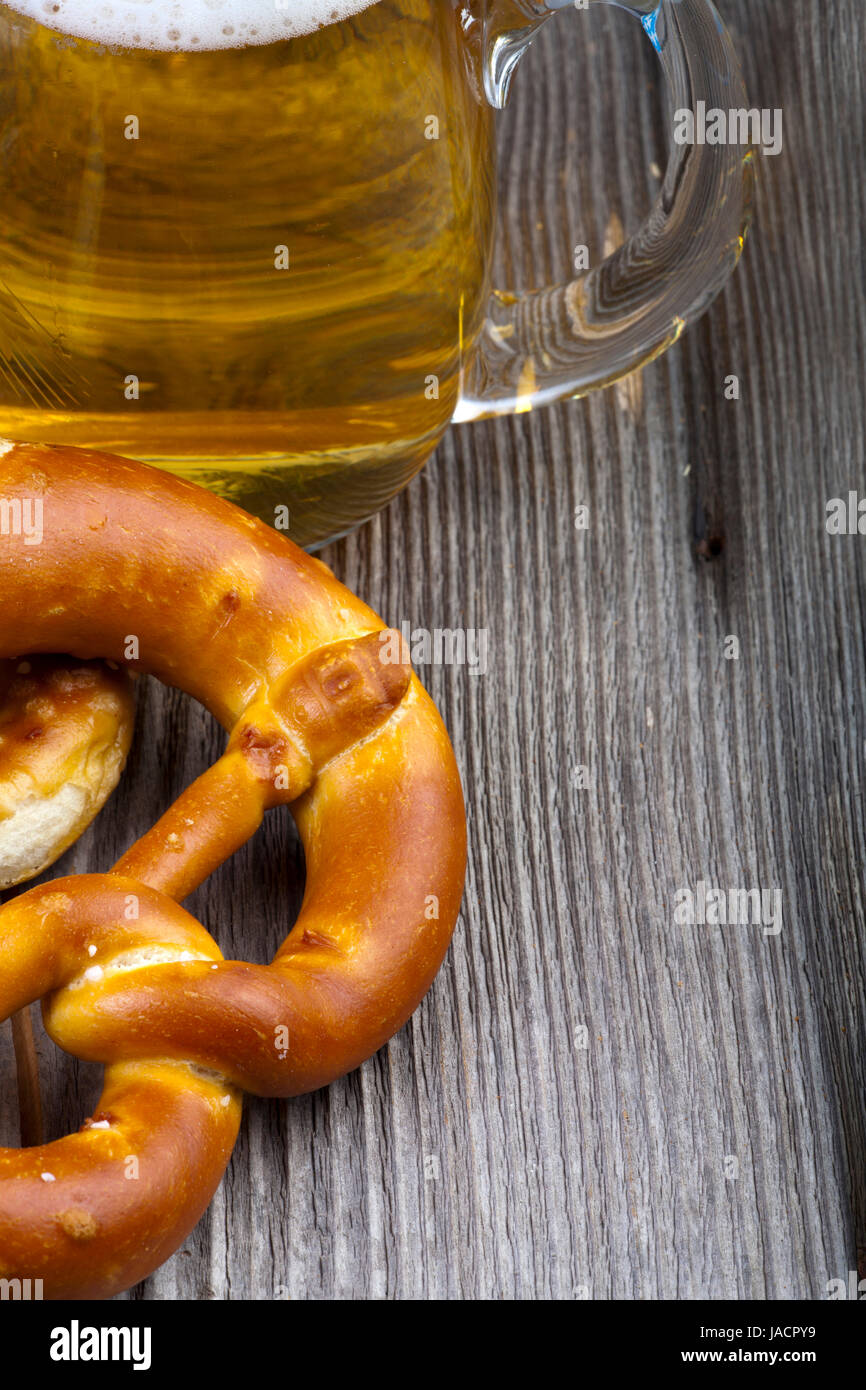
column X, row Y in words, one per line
column 486, row 1153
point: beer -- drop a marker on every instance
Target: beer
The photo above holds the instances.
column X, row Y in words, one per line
column 246, row 248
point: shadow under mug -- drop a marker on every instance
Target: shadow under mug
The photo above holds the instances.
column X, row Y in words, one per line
column 267, row 267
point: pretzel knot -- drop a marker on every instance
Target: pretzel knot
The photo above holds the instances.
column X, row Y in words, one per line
column 325, row 715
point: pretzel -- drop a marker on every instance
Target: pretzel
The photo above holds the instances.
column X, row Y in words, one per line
column 323, row 714
column 65, row 730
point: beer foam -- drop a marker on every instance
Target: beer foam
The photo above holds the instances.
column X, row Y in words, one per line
column 186, row 25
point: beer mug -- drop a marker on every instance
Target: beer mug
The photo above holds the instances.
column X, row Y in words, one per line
column 250, row 240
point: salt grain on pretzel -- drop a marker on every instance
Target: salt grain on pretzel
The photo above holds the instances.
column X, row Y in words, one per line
column 291, row 663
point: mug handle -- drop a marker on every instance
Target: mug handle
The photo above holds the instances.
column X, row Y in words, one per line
column 545, row 345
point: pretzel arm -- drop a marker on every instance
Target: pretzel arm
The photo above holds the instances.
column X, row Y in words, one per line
column 207, row 823
column 95, row 1212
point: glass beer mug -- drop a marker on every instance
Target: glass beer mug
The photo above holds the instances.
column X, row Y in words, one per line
column 250, row 240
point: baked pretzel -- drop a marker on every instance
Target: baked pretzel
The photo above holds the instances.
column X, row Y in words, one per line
column 323, row 714
column 65, row 730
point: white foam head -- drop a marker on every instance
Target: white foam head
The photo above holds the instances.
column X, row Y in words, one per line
column 186, row 25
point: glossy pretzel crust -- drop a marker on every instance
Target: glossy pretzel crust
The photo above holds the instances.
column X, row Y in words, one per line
column 156, row 574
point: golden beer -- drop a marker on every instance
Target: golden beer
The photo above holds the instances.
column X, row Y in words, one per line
column 260, row 266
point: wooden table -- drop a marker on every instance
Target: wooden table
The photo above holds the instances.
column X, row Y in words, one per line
column 595, row 1100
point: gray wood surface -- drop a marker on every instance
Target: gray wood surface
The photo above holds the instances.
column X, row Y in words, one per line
column 487, row 1152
